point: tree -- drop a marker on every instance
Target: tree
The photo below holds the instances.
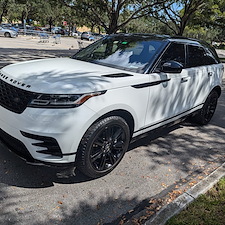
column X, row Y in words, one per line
column 44, row 12
column 212, row 18
column 177, row 15
column 4, row 8
column 51, row 13
column 113, row 15
column 146, row 24
column 27, row 9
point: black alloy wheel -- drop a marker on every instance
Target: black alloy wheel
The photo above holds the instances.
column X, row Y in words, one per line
column 103, row 146
column 207, row 111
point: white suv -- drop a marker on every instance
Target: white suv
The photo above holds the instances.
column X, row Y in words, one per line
column 84, row 110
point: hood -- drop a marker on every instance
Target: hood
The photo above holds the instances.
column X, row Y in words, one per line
column 65, row 75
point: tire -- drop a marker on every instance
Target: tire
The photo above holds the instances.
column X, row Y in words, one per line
column 7, row 34
column 206, row 113
column 103, row 146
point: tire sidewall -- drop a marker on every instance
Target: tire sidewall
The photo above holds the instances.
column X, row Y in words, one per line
column 211, row 96
column 85, row 148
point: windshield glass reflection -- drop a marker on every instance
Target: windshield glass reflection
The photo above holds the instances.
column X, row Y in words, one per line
column 123, row 52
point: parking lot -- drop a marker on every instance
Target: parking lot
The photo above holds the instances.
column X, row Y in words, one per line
column 156, row 169
column 33, row 47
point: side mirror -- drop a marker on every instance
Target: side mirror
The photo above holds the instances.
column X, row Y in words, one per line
column 172, row 67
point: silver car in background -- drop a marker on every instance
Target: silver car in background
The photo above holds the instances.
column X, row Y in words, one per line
column 6, row 32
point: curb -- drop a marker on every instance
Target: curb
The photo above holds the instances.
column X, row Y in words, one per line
column 186, row 198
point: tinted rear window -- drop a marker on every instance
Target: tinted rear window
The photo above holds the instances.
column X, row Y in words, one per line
column 198, row 56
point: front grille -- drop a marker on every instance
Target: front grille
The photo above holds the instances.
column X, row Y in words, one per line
column 13, row 98
column 15, row 146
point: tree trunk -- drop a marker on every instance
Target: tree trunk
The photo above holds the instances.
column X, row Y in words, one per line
column 1, row 16
column 23, row 17
column 113, row 27
column 92, row 27
column 182, row 26
column 50, row 22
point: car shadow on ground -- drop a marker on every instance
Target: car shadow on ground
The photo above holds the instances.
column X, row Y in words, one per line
column 16, row 172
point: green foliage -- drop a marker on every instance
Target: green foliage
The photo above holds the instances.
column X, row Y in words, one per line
column 212, row 17
column 147, row 25
column 6, row 6
column 202, row 33
column 178, row 13
column 204, row 19
column 112, row 15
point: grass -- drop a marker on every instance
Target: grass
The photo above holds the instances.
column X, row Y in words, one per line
column 208, row 209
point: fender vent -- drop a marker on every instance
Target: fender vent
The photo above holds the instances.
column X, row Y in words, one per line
column 118, row 75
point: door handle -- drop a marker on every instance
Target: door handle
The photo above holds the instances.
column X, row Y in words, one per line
column 185, row 79
column 210, row 74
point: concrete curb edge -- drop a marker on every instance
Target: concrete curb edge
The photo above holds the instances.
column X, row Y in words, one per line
column 186, row 198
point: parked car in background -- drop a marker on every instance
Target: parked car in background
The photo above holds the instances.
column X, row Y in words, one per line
column 97, row 36
column 54, row 29
column 84, row 110
column 9, row 26
column 19, row 26
column 58, row 30
column 6, row 32
column 90, row 36
column 76, row 34
column 86, row 36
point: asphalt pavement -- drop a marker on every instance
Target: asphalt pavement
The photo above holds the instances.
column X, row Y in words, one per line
column 155, row 171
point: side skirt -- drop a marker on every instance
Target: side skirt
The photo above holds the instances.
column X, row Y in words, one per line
column 168, row 122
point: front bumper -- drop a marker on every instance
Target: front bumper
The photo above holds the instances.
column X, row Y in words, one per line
column 16, row 146
column 20, row 149
column 45, row 136
column 13, row 35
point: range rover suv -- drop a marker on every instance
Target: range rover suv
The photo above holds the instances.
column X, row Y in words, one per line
column 84, row 110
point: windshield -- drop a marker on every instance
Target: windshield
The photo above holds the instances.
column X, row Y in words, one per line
column 131, row 53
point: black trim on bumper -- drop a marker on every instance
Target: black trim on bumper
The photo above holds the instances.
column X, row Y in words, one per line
column 15, row 146
column 50, row 144
column 50, row 164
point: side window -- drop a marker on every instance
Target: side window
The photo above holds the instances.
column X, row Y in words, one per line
column 197, row 56
column 210, row 59
column 175, row 52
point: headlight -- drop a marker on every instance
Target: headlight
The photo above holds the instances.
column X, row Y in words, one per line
column 61, row 100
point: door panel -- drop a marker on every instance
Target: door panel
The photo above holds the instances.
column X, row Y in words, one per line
column 169, row 98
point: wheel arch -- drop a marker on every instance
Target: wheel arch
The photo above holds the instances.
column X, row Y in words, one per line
column 127, row 116
column 218, row 90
